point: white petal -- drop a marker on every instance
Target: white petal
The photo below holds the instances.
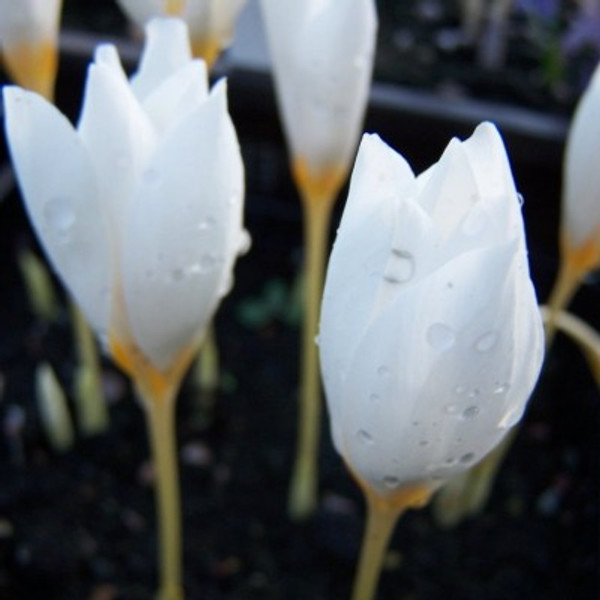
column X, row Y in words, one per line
column 141, row 11
column 29, row 21
column 176, row 255
column 451, row 189
column 322, row 55
column 214, row 18
column 581, row 208
column 166, row 50
column 59, row 187
column 428, row 387
column 177, row 96
column 118, row 135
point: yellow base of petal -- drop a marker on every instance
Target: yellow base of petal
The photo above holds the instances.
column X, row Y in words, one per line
column 33, row 66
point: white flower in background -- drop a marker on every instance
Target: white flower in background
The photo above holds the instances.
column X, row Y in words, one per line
column 140, row 208
column 28, row 42
column 322, row 53
column 431, row 339
column 210, row 22
column 581, row 188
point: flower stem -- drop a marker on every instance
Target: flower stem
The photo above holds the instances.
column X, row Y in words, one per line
column 318, row 196
column 383, row 513
column 159, row 405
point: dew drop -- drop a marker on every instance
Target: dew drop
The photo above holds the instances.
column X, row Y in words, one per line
column 244, row 242
column 470, row 412
column 365, row 437
column 391, row 482
column 440, row 337
column 206, row 224
column 383, row 371
column 501, row 389
column 177, row 274
column 520, row 199
column 424, row 443
column 467, row 458
column 400, row 268
column 451, row 409
column 207, row 262
column 459, row 390
column 59, row 214
column 486, row 342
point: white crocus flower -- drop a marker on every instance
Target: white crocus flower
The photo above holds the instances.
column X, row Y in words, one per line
column 140, row 208
column 431, row 338
column 210, row 22
column 322, row 53
column 581, row 190
column 28, row 41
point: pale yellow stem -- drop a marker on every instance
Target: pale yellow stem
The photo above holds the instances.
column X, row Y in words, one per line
column 576, row 263
column 383, row 513
column 318, row 197
column 160, row 415
column 583, row 334
column 91, row 407
column 158, row 390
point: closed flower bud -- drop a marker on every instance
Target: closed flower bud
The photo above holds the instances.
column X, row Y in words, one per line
column 431, row 339
column 322, row 55
column 29, row 40
column 139, row 209
column 210, row 22
column 581, row 188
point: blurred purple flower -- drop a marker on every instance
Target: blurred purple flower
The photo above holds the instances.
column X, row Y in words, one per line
column 584, row 29
column 545, row 10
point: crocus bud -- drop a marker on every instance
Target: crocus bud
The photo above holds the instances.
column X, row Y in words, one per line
column 431, row 338
column 322, row 53
column 210, row 22
column 139, row 209
column 581, row 188
column 28, row 41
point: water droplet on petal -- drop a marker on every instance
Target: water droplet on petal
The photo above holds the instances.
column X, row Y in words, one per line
column 470, row 412
column 459, row 390
column 391, row 482
column 440, row 337
column 451, row 409
column 500, row 389
column 59, row 214
column 467, row 458
column 383, row 371
column 206, row 224
column 177, row 274
column 424, row 443
column 207, row 262
column 365, row 437
column 486, row 342
column 244, row 242
column 520, row 199
column 400, row 268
